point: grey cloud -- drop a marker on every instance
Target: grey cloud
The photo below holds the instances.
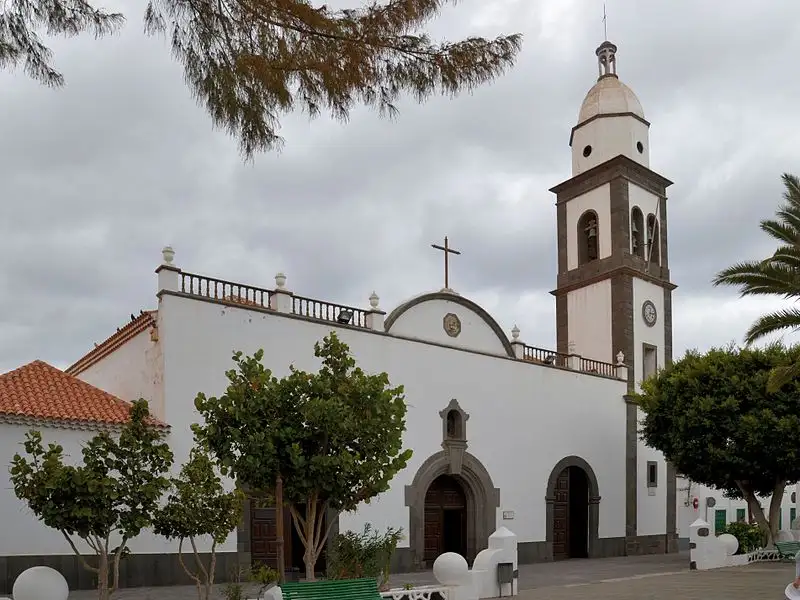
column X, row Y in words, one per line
column 96, row 177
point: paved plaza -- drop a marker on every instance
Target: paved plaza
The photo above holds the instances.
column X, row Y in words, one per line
column 658, row 577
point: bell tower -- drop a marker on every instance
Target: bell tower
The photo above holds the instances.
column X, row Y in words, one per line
column 614, row 291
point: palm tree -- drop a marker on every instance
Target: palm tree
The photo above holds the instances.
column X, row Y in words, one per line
column 778, row 275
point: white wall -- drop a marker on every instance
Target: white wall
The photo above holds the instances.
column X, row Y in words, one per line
column 597, row 200
column 524, row 417
column 648, row 204
column 589, row 327
column 687, row 514
column 609, row 137
column 22, row 534
column 133, row 370
column 651, row 502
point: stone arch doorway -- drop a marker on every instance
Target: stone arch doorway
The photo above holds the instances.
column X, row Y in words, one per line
column 439, row 486
column 445, row 523
column 573, row 503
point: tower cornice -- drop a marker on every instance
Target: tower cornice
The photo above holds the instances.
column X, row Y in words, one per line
column 619, row 166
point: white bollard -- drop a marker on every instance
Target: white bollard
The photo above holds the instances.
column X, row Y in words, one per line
column 792, row 593
column 40, row 583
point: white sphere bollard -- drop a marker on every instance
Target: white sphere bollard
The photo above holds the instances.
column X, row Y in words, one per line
column 451, row 568
column 730, row 542
column 40, row 583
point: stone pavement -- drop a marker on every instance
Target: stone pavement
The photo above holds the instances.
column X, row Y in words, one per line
column 657, row 577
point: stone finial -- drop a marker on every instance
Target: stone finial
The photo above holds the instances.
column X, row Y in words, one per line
column 374, row 300
column 620, row 358
column 167, row 254
column 280, row 280
column 515, row 333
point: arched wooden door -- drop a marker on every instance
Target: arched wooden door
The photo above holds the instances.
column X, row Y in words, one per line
column 445, row 518
column 571, row 515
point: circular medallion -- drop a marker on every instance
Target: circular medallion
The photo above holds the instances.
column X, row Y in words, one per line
column 649, row 313
column 451, row 324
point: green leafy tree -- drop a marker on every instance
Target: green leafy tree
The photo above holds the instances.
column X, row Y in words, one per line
column 334, row 436
column 198, row 507
column 714, row 419
column 251, row 61
column 777, row 275
column 108, row 499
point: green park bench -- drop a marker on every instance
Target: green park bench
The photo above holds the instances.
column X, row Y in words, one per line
column 787, row 550
column 332, row 589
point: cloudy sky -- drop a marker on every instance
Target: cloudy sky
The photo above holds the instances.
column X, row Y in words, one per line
column 96, row 177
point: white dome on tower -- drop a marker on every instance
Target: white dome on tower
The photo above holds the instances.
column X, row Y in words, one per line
column 611, row 120
column 609, row 96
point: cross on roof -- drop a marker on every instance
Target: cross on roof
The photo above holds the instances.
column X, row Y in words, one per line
column 447, row 250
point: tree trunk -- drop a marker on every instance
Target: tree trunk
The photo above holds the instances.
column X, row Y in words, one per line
column 767, row 523
column 310, row 556
column 103, row 592
column 211, row 571
column 279, row 529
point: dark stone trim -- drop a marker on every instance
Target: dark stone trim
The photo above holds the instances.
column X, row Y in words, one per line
column 619, row 166
column 603, row 268
column 672, row 488
column 456, row 299
column 136, row 570
column 594, row 503
column 483, row 499
column 561, row 234
column 619, row 205
column 605, row 116
column 562, row 324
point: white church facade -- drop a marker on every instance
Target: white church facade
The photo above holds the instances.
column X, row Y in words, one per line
column 541, row 441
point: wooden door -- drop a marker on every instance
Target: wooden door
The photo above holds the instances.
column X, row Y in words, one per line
column 561, row 517
column 444, row 494
column 263, row 537
column 433, row 534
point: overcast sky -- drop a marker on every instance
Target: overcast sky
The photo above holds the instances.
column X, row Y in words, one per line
column 96, row 177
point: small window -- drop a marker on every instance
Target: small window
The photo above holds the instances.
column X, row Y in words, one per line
column 587, row 150
column 637, row 232
column 741, row 515
column 649, row 361
column 652, row 474
column 588, row 238
column 792, row 516
column 653, row 240
column 640, row 147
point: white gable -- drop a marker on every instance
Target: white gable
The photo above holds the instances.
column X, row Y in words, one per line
column 450, row 319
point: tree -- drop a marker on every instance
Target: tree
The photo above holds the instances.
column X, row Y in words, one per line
column 335, row 436
column 20, row 42
column 777, row 275
column 199, row 506
column 712, row 416
column 250, row 61
column 112, row 496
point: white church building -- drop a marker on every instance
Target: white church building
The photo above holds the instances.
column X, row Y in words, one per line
column 542, row 441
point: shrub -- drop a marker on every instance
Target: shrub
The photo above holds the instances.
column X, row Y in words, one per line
column 365, row 554
column 750, row 536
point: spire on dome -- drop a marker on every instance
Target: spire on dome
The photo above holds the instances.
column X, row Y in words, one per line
column 606, row 60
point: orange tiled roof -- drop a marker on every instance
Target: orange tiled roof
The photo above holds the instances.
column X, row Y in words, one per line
column 131, row 329
column 40, row 392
